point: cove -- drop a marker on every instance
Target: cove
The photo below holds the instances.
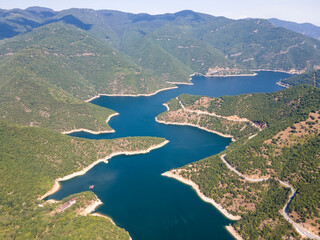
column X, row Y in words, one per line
column 135, row 195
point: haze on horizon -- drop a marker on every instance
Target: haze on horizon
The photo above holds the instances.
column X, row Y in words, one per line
column 289, row 10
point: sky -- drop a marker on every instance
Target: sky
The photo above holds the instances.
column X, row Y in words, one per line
column 291, row 10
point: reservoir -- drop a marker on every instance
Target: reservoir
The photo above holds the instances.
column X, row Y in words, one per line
column 135, row 195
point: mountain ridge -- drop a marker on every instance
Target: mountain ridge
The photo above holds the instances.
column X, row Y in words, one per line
column 307, row 29
column 116, row 27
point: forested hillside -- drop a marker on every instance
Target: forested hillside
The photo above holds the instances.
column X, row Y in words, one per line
column 307, row 29
column 173, row 46
column 312, row 78
column 30, row 160
column 287, row 148
column 46, row 75
column 75, row 61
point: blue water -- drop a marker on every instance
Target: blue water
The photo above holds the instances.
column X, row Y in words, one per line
column 134, row 193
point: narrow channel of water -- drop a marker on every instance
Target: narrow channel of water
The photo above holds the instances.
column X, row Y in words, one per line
column 134, row 193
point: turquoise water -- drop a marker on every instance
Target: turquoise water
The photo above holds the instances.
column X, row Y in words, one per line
column 134, row 193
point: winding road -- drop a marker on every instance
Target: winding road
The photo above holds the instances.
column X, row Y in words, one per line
column 218, row 116
column 302, row 231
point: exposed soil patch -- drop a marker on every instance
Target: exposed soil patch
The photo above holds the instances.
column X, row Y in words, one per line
column 297, row 133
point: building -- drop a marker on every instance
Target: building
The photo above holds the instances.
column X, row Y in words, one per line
column 67, row 204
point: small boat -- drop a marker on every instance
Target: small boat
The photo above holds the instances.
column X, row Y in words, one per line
column 91, row 186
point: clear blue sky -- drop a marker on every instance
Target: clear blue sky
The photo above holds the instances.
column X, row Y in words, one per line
column 292, row 10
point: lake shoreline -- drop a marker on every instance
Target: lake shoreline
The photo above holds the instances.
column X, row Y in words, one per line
column 182, row 83
column 56, row 185
column 196, row 126
column 88, row 131
column 188, row 83
column 230, row 75
column 91, row 131
column 131, row 95
column 281, row 84
column 171, row 174
column 292, row 71
column 233, row 232
column 167, row 106
column 89, row 211
column 146, row 94
column 223, row 135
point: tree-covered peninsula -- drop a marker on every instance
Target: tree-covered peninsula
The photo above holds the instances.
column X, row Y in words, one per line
column 312, row 78
column 252, row 178
column 31, row 159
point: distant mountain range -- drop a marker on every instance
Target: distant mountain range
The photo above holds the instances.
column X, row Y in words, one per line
column 307, row 29
column 173, row 45
column 72, row 55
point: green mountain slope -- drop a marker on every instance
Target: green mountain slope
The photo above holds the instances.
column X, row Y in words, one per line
column 47, row 73
column 199, row 55
column 256, row 44
column 307, row 29
column 312, row 78
column 188, row 40
column 154, row 59
column 32, row 101
column 80, row 64
column 287, row 148
column 29, row 99
column 30, row 160
column 270, row 47
column 249, row 44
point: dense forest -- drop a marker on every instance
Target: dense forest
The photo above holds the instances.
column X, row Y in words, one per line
column 168, row 47
column 286, row 149
column 30, row 160
column 312, row 78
